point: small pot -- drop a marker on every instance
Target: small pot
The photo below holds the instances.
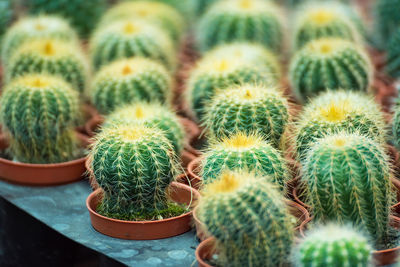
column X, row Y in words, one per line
column 192, row 169
column 388, row 256
column 145, row 230
column 204, row 251
column 43, row 174
column 93, row 125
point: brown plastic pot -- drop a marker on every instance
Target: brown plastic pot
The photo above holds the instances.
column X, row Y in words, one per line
column 145, row 230
column 204, row 251
column 93, row 124
column 192, row 169
column 43, row 174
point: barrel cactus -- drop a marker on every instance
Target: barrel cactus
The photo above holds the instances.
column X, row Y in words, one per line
column 130, row 80
column 333, row 245
column 53, row 57
column 386, row 19
column 347, row 176
column 249, row 220
column 329, row 64
column 32, row 28
column 396, row 126
column 199, row 7
column 153, row 116
column 335, row 111
column 244, row 151
column 248, row 108
column 393, row 55
column 134, row 165
column 125, row 39
column 7, row 13
column 241, row 20
column 40, row 112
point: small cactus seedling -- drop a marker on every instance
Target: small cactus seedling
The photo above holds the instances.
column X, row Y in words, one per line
column 333, row 245
column 386, row 19
column 52, row 57
column 246, row 152
column 130, row 80
column 152, row 116
column 248, row 217
column 249, row 109
column 329, row 64
column 128, row 38
column 32, row 28
column 39, row 112
column 230, row 21
column 336, row 111
column 393, row 55
column 134, row 165
column 347, row 178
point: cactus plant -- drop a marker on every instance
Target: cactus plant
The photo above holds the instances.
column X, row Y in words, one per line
column 387, row 20
column 244, row 151
column 7, row 13
column 199, row 7
column 333, row 245
column 39, row 112
column 53, row 57
column 241, row 20
column 347, row 177
column 130, row 80
column 153, row 116
column 335, row 111
column 329, row 64
column 134, row 165
column 249, row 109
column 393, row 55
column 31, row 28
column 249, row 219
column 125, row 39
column 396, row 125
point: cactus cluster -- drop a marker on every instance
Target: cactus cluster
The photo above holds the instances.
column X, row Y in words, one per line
column 386, row 19
column 130, row 80
column 249, row 109
column 329, row 63
column 40, row 112
column 393, row 55
column 249, row 220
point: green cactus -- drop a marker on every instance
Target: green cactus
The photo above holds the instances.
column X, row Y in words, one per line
column 241, row 20
column 53, row 57
column 125, row 39
column 294, row 3
column 82, row 14
column 329, row 64
column 40, row 112
column 386, row 20
column 153, row 116
column 244, row 151
column 161, row 14
column 334, row 111
column 134, row 165
column 7, row 12
column 130, row 80
column 396, row 125
column 332, row 245
column 32, row 28
column 199, row 7
column 393, row 55
column 249, row 109
column 249, row 220
column 347, row 177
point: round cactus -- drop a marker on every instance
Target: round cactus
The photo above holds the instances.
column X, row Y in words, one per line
column 134, row 165
column 125, row 39
column 387, row 20
column 159, row 13
column 333, row 245
column 335, row 111
column 241, row 20
column 393, row 55
column 199, row 7
column 249, row 109
column 249, row 220
column 347, row 177
column 396, row 126
column 152, row 116
column 244, row 151
column 39, row 112
column 53, row 57
column 130, row 80
column 329, row 64
column 32, row 28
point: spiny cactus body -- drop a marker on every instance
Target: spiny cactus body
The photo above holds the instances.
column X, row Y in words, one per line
column 386, row 19
column 396, row 126
column 199, row 7
column 52, row 57
column 244, row 151
column 249, row 219
column 130, row 80
column 241, row 20
column 40, row 112
column 333, row 245
column 7, row 13
column 329, row 64
column 393, row 55
column 125, row 39
column 248, row 109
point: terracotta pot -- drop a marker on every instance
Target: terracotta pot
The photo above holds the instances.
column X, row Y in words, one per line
column 192, row 169
column 388, row 256
column 93, row 125
column 204, row 251
column 43, row 174
column 3, row 141
column 145, row 230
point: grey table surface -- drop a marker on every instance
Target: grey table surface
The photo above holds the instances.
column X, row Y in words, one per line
column 63, row 209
